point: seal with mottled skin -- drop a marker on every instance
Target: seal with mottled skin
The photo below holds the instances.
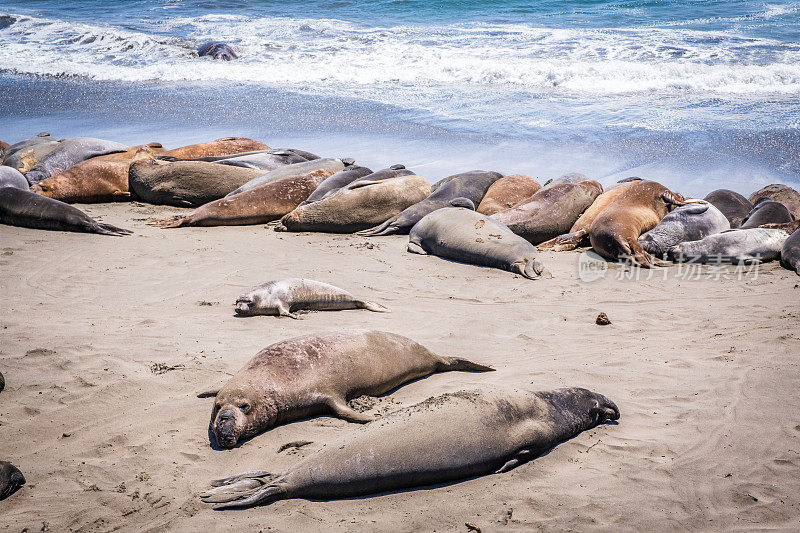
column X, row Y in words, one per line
column 464, row 235
column 572, row 177
column 780, row 193
column 733, row 205
column 470, row 185
column 24, row 155
column 579, row 232
column 316, row 374
column 263, row 204
column 70, row 152
column 30, row 210
column 790, row 253
column 185, row 183
column 507, row 192
column 328, row 164
column 359, row 205
column 443, row 439
column 551, row 211
column 690, row 222
column 338, row 180
column 224, row 146
column 736, row 245
column 11, row 177
column 11, row 479
column 766, row 211
column 284, row 296
column 615, row 232
column 216, row 50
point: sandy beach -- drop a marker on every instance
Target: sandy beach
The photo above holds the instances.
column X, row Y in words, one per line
column 106, row 342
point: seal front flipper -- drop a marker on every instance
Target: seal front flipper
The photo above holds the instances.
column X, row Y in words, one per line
column 522, row 456
column 341, row 410
column 415, row 248
column 283, row 310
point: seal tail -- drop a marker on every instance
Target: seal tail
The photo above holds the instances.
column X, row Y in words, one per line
column 108, row 229
column 244, row 490
column 533, row 269
column 175, row 221
column 383, row 229
column 372, row 306
column 460, row 364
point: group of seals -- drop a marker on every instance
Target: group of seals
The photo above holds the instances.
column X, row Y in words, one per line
column 690, row 222
column 69, row 153
column 316, row 374
column 447, row 438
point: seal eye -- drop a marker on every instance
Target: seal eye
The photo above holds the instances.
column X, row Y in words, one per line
column 245, row 408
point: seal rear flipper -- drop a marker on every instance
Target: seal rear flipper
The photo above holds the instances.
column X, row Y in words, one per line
column 641, row 256
column 382, row 229
column 448, row 364
column 108, row 229
column 568, row 241
column 372, row 306
column 253, row 474
column 249, row 498
column 175, row 221
column 533, row 268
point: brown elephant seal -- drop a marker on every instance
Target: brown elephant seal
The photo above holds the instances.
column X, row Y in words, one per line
column 11, row 177
column 733, row 205
column 766, row 211
column 284, row 296
column 443, row 439
column 69, row 153
column 507, row 192
column 464, row 235
column 790, row 253
column 132, row 152
column 263, row 204
column 780, row 193
column 185, row 183
column 11, row 479
column 551, row 211
column 3, row 146
column 224, row 146
column 328, row 164
column 471, row 186
column 615, row 233
column 579, row 232
column 336, row 181
column 360, row 205
column 95, row 180
column 27, row 209
column 572, row 177
column 316, row 374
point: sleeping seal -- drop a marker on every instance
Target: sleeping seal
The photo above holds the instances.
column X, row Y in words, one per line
column 690, row 222
column 223, row 146
column 443, row 439
column 11, row 177
column 732, row 204
column 780, row 193
column 790, row 253
column 735, row 246
column 328, row 164
column 507, row 192
column 766, row 211
column 70, row 152
column 11, row 479
column 24, row 155
column 337, row 181
column 283, row 296
column 464, row 235
column 316, row 374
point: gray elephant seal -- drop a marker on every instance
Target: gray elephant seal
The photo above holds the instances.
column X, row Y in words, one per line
column 780, row 193
column 11, row 479
column 27, row 209
column 329, row 164
column 735, row 246
column 446, row 438
column 470, row 185
column 790, row 253
column 265, row 160
column 572, row 177
column 690, row 222
column 216, row 50
column 766, row 211
column 25, row 155
column 464, row 235
column 11, row 177
column 282, row 297
column 316, row 374
column 337, row 181
column 733, row 205
column 70, row 152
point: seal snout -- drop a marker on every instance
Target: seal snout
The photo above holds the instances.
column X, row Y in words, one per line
column 608, row 409
column 225, row 428
column 242, row 305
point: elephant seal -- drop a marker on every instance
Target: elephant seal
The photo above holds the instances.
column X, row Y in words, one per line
column 216, row 50
column 316, row 374
column 551, row 211
column 690, row 222
column 507, row 192
column 579, row 232
column 224, row 146
column 337, row 181
column 572, row 177
column 790, row 253
column 470, row 185
column 11, row 177
column 27, row 209
column 257, row 158
column 132, row 152
column 736, row 246
column 70, row 152
column 21, row 145
column 263, row 204
column 94, row 180
column 282, row 297
column 3, row 146
column 11, row 479
column 766, row 211
column 615, row 232
column 296, row 169
column 184, row 183
column 780, row 193
column 25, row 159
column 464, row 235
column 443, row 439
column 361, row 204
column 733, row 205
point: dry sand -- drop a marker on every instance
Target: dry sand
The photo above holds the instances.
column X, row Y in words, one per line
column 105, row 342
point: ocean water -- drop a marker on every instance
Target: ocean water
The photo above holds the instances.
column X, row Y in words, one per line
column 695, row 94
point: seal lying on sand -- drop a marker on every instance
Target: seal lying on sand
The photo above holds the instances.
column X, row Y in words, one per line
column 263, row 204
column 464, row 235
column 328, row 164
column 733, row 205
column 507, row 192
column 11, row 479
column 736, row 245
column 687, row 223
column 70, row 152
column 337, row 181
column 790, row 253
column 470, row 185
column 216, row 50
column 11, row 177
column 445, row 438
column 780, row 193
column 316, row 374
column 224, row 146
column 282, row 297
column 30, row 210
column 766, row 211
